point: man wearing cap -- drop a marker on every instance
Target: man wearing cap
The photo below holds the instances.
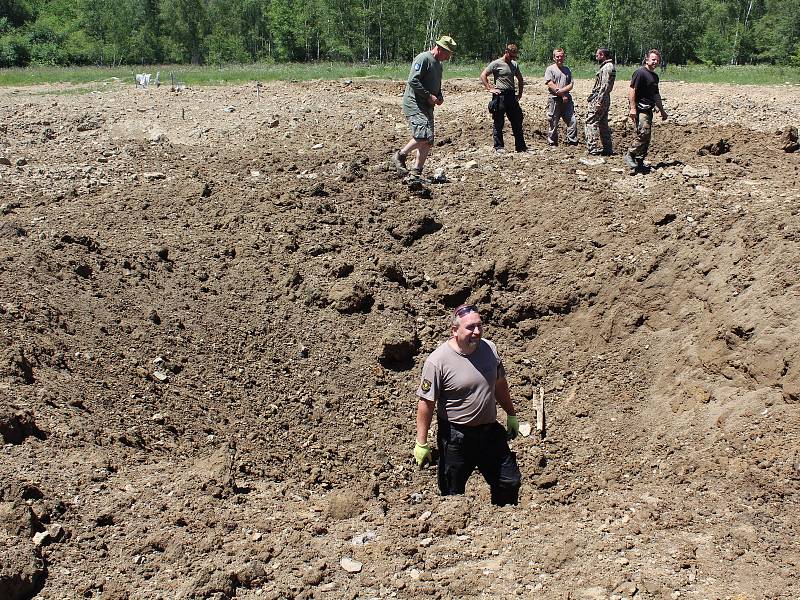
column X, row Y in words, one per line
column 463, row 380
column 505, row 101
column 598, row 133
column 423, row 92
column 558, row 80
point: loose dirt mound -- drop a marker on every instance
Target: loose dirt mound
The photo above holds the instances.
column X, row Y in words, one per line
column 213, row 323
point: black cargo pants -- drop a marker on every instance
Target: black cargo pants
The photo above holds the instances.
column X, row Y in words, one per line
column 463, row 448
column 507, row 105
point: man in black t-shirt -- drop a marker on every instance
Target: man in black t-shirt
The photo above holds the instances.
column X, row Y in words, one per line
column 643, row 98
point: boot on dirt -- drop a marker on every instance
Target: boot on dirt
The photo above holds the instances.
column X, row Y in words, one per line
column 415, row 176
column 399, row 162
column 630, row 162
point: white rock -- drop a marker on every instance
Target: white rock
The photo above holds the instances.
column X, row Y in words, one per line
column 41, row 538
column 525, row 428
column 350, row 565
column 327, row 587
column 317, row 146
column 362, row 538
column 473, row 164
column 689, row 171
column 425, row 516
column 426, row 542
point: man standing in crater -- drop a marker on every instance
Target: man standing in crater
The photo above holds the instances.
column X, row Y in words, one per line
column 423, row 92
column 464, row 380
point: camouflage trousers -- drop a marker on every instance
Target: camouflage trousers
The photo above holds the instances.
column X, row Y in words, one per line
column 598, row 133
column 644, row 127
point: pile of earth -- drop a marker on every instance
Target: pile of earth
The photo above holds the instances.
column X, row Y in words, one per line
column 215, row 305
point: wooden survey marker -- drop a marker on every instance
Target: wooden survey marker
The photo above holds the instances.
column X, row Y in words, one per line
column 538, row 408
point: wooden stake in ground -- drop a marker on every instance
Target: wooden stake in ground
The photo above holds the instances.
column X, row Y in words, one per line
column 538, row 409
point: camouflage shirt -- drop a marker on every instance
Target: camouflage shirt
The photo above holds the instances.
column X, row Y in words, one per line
column 604, row 81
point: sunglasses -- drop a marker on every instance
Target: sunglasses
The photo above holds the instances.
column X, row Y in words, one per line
column 465, row 310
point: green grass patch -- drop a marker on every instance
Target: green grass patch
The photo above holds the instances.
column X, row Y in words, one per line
column 237, row 74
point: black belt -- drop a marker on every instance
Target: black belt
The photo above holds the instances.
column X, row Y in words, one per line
column 466, row 428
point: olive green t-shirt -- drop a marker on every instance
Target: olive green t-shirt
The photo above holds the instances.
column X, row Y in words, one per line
column 424, row 79
column 504, row 73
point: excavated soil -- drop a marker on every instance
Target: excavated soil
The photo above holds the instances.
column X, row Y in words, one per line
column 215, row 305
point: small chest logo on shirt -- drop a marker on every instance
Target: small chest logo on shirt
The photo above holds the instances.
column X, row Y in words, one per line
column 426, row 385
column 417, row 66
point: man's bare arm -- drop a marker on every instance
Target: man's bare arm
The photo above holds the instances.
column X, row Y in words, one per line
column 424, row 418
column 503, row 396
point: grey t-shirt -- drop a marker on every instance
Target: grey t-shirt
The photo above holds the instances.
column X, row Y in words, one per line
column 504, row 73
column 560, row 78
column 462, row 385
column 424, row 79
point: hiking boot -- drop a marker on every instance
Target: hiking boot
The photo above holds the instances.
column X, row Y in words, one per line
column 630, row 162
column 500, row 150
column 415, row 176
column 399, row 162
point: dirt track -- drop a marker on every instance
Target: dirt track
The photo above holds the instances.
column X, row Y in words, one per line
column 213, row 324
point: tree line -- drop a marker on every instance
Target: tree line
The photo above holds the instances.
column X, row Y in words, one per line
column 116, row 32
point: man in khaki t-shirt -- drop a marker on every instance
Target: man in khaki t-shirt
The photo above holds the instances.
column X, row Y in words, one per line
column 464, row 380
column 505, row 99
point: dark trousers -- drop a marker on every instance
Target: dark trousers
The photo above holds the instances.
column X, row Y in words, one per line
column 508, row 107
column 462, row 449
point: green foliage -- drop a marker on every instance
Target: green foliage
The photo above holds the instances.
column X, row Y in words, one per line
column 112, row 32
column 225, row 48
column 14, row 50
column 14, row 12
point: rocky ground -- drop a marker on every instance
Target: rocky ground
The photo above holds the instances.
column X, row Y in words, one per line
column 215, row 305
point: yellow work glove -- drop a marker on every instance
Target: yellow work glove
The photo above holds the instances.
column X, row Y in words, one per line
column 422, row 453
column 512, row 426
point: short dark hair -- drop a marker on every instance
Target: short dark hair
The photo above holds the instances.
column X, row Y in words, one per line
column 605, row 52
column 511, row 45
column 653, row 51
